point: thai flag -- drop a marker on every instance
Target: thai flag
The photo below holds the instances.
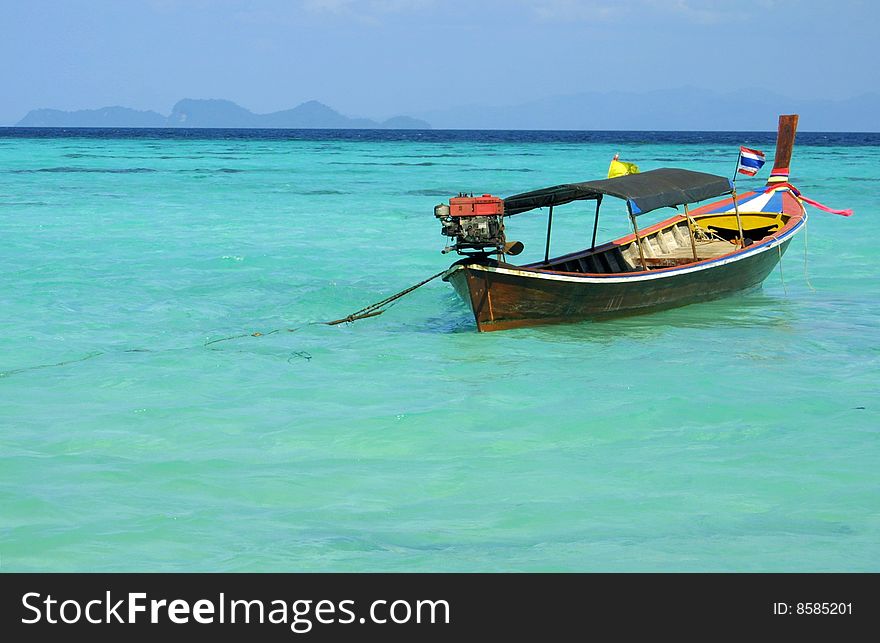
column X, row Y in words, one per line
column 750, row 161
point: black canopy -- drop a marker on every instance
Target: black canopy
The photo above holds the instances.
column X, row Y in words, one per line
column 666, row 187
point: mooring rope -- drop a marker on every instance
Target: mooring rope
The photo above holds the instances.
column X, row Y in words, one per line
column 39, row 366
column 781, row 276
column 373, row 310
column 806, row 276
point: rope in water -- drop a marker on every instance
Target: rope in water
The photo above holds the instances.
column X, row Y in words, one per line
column 806, row 276
column 39, row 366
column 781, row 276
column 372, row 310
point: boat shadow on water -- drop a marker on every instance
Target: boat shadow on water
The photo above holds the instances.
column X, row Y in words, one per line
column 756, row 309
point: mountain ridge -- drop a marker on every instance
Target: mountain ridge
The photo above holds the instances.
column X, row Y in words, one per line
column 680, row 109
column 214, row 113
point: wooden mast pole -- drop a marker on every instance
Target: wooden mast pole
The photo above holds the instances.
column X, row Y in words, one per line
column 547, row 247
column 739, row 223
column 632, row 218
column 596, row 221
column 690, row 225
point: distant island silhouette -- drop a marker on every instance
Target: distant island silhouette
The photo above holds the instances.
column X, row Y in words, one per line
column 680, row 109
column 216, row 113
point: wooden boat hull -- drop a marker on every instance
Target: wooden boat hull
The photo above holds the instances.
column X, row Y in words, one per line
column 504, row 296
column 718, row 249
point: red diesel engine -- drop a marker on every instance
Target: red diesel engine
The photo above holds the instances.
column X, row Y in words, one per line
column 474, row 223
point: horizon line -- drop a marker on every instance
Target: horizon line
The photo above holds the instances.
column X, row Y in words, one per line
column 432, row 129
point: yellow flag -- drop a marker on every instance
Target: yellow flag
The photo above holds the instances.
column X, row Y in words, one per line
column 621, row 168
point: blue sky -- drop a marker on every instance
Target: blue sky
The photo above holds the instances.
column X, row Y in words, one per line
column 376, row 58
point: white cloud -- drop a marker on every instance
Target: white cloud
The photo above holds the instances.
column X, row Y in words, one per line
column 697, row 11
column 364, row 7
column 701, row 11
column 329, row 6
column 577, row 9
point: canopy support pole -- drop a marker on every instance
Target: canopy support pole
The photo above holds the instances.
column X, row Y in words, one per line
column 691, row 224
column 547, row 247
column 638, row 240
column 739, row 223
column 596, row 221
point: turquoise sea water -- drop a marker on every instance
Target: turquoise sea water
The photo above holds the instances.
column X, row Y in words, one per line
column 737, row 435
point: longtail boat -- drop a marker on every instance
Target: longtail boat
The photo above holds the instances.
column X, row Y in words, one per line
column 727, row 246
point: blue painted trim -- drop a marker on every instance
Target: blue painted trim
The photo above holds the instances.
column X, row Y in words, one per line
column 633, row 207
